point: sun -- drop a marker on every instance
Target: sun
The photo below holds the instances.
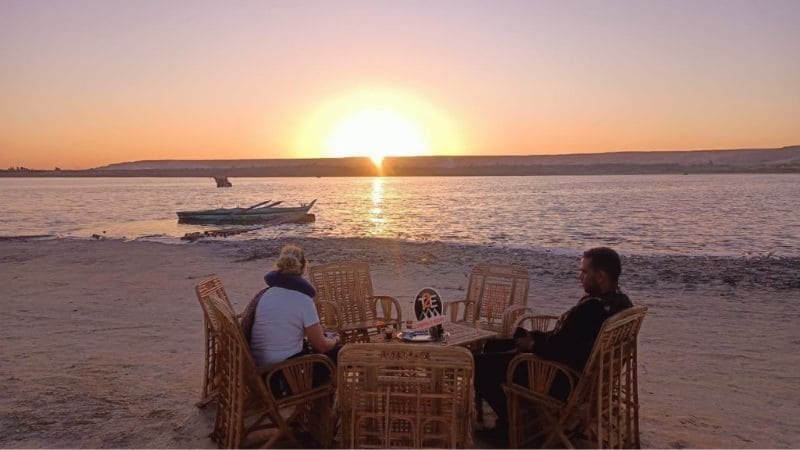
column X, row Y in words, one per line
column 376, row 122
column 376, row 133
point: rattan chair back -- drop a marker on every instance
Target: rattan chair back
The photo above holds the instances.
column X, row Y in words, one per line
column 610, row 383
column 346, row 284
column 496, row 295
column 495, row 287
column 346, row 302
column 232, row 354
column 405, row 396
column 207, row 289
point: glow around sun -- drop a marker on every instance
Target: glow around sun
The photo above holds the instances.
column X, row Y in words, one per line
column 377, row 123
column 376, row 133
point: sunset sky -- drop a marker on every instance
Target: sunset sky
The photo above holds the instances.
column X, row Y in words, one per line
column 87, row 83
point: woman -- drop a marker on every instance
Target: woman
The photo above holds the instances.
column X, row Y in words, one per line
column 286, row 314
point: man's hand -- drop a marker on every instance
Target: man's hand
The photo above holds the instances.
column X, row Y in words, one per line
column 525, row 344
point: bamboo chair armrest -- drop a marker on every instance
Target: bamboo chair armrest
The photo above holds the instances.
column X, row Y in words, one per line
column 541, row 373
column 531, row 316
column 289, row 366
column 451, row 309
column 527, row 394
column 389, row 305
column 329, row 315
column 298, row 361
column 510, row 316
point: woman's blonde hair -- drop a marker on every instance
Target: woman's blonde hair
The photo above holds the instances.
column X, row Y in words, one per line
column 292, row 261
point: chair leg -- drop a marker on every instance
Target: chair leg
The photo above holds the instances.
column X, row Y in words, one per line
column 284, row 430
column 272, row 440
column 329, row 423
column 281, row 432
column 290, row 435
column 513, row 441
column 564, row 439
column 210, row 384
column 557, row 434
column 549, row 439
column 210, row 397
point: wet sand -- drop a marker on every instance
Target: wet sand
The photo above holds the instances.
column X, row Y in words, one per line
column 102, row 340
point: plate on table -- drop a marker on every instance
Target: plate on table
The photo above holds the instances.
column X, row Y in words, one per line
column 415, row 336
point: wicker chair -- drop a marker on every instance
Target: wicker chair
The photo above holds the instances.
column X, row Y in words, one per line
column 536, row 322
column 346, row 303
column 496, row 296
column 211, row 286
column 603, row 400
column 405, row 396
column 245, row 403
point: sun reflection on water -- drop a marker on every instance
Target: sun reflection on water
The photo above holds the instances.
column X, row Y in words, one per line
column 376, row 212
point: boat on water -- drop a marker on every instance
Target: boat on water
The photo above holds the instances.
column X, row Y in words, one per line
column 263, row 212
column 222, row 182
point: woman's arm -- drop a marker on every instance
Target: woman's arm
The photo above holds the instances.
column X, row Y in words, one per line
column 316, row 337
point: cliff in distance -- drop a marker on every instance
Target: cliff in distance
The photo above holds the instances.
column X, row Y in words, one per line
column 782, row 160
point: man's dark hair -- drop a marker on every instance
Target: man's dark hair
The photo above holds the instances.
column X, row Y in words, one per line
column 606, row 260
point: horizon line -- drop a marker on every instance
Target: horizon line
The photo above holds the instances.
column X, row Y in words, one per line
column 611, row 152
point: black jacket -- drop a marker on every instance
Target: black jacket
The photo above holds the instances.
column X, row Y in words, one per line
column 572, row 343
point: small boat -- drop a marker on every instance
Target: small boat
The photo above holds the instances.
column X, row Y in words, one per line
column 258, row 213
column 222, row 182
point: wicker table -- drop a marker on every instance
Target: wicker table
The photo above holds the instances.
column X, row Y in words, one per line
column 459, row 334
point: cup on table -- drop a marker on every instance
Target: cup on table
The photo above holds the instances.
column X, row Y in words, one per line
column 388, row 332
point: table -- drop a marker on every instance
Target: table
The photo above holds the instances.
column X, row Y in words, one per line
column 374, row 323
column 459, row 334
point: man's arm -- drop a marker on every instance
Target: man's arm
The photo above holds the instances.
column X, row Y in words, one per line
column 572, row 343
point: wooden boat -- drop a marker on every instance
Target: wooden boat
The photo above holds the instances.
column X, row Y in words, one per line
column 222, row 182
column 258, row 213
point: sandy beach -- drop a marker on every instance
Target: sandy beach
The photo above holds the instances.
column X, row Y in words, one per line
column 102, row 340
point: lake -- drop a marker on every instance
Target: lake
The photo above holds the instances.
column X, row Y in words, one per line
column 751, row 214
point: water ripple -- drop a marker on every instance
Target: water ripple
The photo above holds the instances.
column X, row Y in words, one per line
column 670, row 214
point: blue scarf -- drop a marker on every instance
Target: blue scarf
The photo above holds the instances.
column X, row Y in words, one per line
column 291, row 282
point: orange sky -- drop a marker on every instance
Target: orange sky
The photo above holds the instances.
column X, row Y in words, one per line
column 87, row 83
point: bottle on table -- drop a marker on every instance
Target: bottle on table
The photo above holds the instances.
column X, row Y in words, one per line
column 388, row 332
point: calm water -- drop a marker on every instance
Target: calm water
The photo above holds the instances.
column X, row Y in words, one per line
column 710, row 214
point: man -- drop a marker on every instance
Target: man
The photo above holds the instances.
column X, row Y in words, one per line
column 571, row 344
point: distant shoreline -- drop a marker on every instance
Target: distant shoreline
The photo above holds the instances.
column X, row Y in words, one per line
column 737, row 161
column 533, row 171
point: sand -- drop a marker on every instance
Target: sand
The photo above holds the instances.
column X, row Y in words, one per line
column 102, row 340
